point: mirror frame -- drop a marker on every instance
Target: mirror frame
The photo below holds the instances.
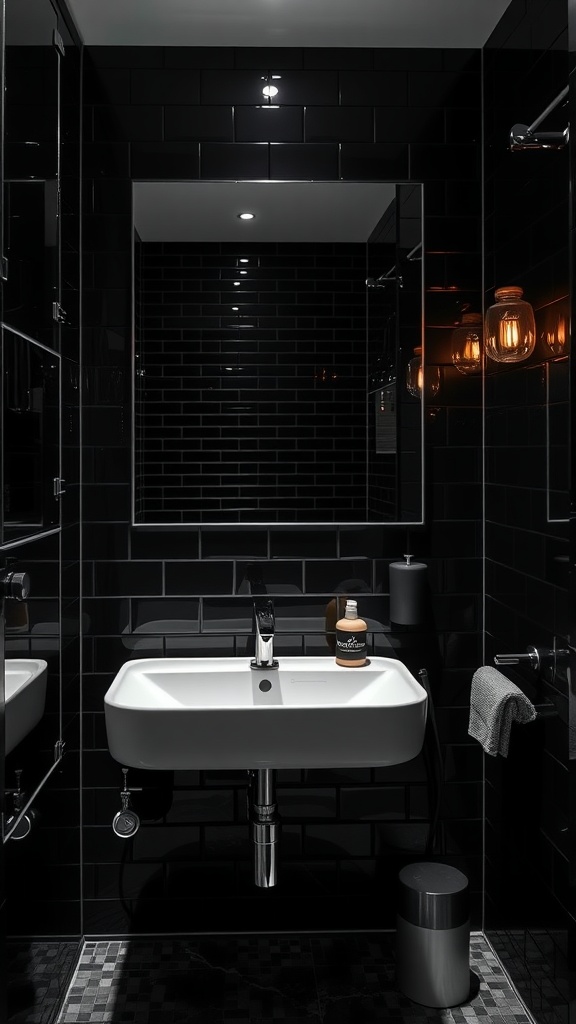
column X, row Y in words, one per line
column 280, row 523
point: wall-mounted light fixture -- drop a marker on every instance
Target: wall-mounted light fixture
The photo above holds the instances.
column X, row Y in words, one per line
column 510, row 330
column 467, row 344
column 420, row 379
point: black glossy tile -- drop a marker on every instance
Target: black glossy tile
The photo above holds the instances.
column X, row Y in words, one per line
column 444, row 161
column 110, row 197
column 127, row 578
column 270, row 56
column 303, row 162
column 229, row 543
column 165, row 86
column 347, row 577
column 338, row 840
column 127, row 123
column 106, row 85
column 373, row 803
column 443, row 88
column 125, row 56
column 106, row 540
column 338, row 58
column 268, row 124
column 233, row 615
column 301, row 87
column 409, row 124
column 241, row 160
column 106, row 159
column 466, row 60
column 161, row 543
column 110, row 615
column 199, row 57
column 303, row 543
column 204, row 124
column 165, row 615
column 338, row 124
column 99, row 467
column 108, row 501
column 379, row 162
column 373, row 88
column 178, row 160
column 408, row 58
column 265, row 577
column 242, row 86
column 198, row 578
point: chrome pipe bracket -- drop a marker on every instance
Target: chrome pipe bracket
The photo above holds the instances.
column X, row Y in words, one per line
column 531, row 658
column 521, row 138
column 264, row 827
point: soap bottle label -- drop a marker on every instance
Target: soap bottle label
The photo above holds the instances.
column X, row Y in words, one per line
column 350, row 646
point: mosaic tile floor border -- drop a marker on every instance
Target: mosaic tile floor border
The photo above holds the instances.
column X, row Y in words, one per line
column 261, row 979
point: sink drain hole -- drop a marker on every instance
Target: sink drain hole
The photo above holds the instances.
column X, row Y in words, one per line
column 265, row 685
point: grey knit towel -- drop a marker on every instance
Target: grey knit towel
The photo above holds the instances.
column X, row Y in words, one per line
column 495, row 703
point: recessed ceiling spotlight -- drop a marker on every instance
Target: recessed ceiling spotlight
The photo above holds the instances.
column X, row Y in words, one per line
column 246, row 216
column 236, row 284
column 235, row 309
column 243, row 271
column 243, row 259
column 270, row 90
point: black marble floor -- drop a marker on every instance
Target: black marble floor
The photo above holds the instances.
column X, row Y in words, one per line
column 318, row 979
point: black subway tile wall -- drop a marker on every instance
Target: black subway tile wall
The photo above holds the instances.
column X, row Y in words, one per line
column 528, row 908
column 42, row 94
column 255, row 398
column 186, row 590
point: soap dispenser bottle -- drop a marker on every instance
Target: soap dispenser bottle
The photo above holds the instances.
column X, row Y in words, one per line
column 351, row 638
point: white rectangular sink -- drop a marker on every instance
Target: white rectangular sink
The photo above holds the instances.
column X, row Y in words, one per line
column 218, row 713
column 25, row 695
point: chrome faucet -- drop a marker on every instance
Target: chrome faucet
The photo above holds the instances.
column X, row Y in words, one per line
column 263, row 635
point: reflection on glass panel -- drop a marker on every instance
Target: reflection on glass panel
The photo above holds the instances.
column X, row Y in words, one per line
column 558, row 435
column 31, row 220
column 31, row 436
column 31, row 247
column 257, row 351
column 385, row 420
column 32, row 666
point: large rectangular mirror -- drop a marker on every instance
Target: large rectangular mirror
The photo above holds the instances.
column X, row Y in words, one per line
column 271, row 352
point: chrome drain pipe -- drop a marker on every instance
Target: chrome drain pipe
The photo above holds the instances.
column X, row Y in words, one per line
column 264, row 827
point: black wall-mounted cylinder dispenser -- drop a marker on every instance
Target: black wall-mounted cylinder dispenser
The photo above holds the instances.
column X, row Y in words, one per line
column 408, row 588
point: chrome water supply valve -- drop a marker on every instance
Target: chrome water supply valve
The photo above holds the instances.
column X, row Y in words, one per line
column 126, row 822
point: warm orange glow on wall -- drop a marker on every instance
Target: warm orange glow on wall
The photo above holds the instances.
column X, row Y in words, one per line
column 555, row 333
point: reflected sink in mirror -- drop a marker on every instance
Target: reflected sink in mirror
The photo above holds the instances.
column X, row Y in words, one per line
column 218, row 713
column 25, row 683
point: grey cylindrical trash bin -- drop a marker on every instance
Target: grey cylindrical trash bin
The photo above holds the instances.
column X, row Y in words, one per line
column 433, row 935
